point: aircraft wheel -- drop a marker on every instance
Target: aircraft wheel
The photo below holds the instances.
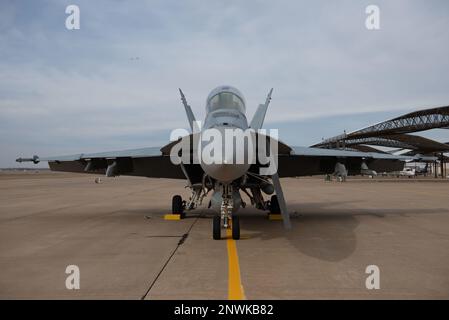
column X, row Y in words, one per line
column 177, row 206
column 274, row 205
column 216, row 230
column 235, row 228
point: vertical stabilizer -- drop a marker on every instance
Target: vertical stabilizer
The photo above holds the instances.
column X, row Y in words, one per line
column 259, row 116
column 190, row 115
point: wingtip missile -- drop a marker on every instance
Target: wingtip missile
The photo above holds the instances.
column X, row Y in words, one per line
column 34, row 159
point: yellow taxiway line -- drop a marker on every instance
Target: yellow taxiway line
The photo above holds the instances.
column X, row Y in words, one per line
column 235, row 288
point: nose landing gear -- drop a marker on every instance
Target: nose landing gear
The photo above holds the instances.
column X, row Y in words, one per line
column 234, row 225
column 216, row 228
column 226, row 219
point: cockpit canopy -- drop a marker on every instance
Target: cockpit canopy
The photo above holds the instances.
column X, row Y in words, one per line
column 225, row 97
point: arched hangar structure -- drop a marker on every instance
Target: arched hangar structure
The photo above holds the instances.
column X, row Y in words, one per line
column 395, row 133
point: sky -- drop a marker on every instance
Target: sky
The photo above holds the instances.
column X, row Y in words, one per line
column 113, row 83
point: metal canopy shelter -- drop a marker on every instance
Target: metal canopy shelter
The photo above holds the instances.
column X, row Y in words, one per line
column 412, row 122
column 394, row 133
column 402, row 141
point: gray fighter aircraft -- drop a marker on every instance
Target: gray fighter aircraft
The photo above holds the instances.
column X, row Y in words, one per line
column 225, row 108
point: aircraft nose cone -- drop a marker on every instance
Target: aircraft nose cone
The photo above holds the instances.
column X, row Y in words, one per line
column 224, row 161
column 225, row 172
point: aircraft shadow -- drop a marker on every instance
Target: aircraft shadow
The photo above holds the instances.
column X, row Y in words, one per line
column 322, row 230
column 318, row 229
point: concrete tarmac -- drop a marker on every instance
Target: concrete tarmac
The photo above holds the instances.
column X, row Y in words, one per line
column 115, row 233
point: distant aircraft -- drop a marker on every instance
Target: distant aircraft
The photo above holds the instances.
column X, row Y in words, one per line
column 367, row 171
column 408, row 172
column 227, row 178
column 423, row 170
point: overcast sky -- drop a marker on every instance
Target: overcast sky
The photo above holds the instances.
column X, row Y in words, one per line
column 84, row 90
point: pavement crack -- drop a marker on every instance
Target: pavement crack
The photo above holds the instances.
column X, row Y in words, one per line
column 183, row 238
column 180, row 242
column 165, row 236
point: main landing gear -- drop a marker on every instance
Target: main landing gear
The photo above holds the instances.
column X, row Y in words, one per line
column 274, row 205
column 199, row 192
column 178, row 206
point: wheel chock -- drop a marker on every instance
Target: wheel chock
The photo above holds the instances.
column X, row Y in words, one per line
column 172, row 217
column 274, row 217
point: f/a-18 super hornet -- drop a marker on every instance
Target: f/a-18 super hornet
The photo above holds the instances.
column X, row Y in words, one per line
column 227, row 170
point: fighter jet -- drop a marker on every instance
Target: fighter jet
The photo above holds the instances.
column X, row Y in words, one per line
column 221, row 173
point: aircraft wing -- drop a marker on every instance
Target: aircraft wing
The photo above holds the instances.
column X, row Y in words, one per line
column 155, row 162
column 320, row 152
column 305, row 161
column 145, row 162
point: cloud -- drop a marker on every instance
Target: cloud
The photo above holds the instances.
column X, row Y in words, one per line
column 80, row 90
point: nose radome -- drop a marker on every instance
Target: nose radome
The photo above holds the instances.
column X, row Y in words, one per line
column 225, row 172
column 228, row 167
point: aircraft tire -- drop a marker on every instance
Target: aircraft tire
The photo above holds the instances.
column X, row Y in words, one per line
column 274, row 205
column 235, row 228
column 177, row 206
column 216, row 227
